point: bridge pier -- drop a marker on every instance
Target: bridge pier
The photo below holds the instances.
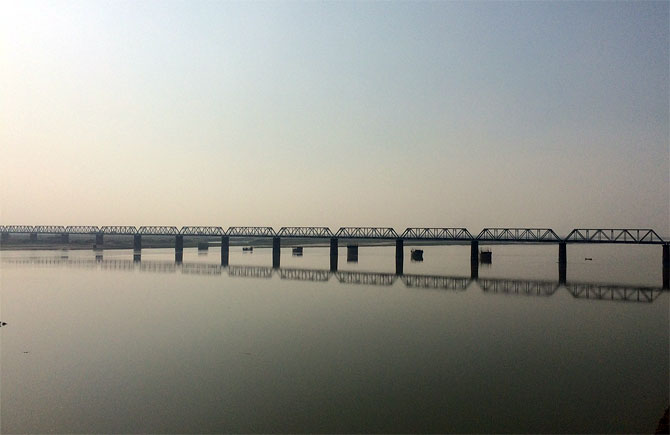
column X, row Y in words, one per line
column 333, row 254
column 33, row 237
column 65, row 238
column 666, row 266
column 399, row 256
column 276, row 252
column 179, row 243
column 99, row 239
column 137, row 242
column 352, row 253
column 474, row 259
column 225, row 250
column 137, row 257
column 562, row 253
column 178, row 256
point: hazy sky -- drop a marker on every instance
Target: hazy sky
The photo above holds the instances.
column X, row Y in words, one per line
column 550, row 114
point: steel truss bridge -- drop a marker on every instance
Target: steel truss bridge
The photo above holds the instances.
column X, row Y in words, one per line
column 487, row 235
column 491, row 286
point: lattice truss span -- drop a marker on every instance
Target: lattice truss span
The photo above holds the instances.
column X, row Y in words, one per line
column 82, row 229
column 437, row 234
column 158, row 231
column 366, row 233
column 202, row 231
column 306, row 232
column 519, row 235
column 251, row 232
column 118, row 230
column 621, row 235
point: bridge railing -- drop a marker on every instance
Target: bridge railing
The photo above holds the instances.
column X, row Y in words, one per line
column 202, row 231
column 620, row 235
column 366, row 233
column 519, row 235
column 437, row 234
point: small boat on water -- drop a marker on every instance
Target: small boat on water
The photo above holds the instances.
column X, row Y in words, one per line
column 485, row 257
column 588, row 259
column 247, row 249
column 417, row 254
column 297, row 251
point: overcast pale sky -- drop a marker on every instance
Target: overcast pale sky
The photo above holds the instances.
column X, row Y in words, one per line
column 549, row 114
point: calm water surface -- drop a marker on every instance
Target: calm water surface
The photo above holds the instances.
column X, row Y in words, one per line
column 110, row 345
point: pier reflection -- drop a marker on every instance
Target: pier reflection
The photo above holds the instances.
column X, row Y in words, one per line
column 492, row 286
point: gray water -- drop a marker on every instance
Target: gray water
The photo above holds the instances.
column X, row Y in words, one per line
column 109, row 345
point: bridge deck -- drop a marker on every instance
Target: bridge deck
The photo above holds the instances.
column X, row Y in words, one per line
column 486, row 236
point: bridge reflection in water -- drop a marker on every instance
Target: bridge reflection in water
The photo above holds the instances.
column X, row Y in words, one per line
column 492, row 286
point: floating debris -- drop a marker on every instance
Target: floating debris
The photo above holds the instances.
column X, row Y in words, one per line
column 417, row 254
column 485, row 257
column 2, row 323
column 297, row 251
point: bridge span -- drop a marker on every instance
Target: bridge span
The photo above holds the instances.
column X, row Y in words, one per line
column 353, row 236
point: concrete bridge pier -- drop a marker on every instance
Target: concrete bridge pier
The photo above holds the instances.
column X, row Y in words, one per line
column 666, row 266
column 178, row 256
column 334, row 249
column 99, row 239
column 352, row 253
column 179, row 243
column 474, row 259
column 137, row 257
column 399, row 256
column 562, row 253
column 137, row 242
column 276, row 252
column 225, row 250
column 33, row 237
column 65, row 238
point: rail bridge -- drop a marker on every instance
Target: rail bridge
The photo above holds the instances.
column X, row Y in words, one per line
column 353, row 236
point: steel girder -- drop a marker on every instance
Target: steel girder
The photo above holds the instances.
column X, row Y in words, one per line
column 437, row 234
column 518, row 287
column 119, row 230
column 250, row 271
column 158, row 231
column 81, row 229
column 622, row 235
column 366, row 278
column 251, row 232
column 49, row 229
column 305, row 232
column 518, row 235
column 202, row 231
column 436, row 282
column 305, row 274
column 19, row 229
column 366, row 233
column 614, row 292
